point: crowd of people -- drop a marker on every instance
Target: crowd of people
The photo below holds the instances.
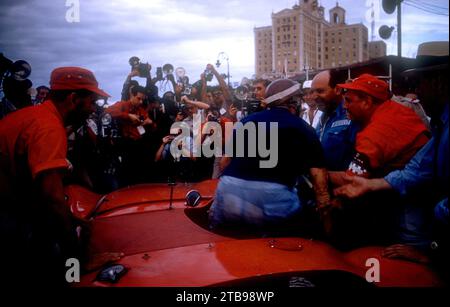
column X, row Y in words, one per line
column 363, row 166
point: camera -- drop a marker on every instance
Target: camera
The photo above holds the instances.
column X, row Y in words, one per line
column 208, row 75
column 187, row 90
column 159, row 73
column 212, row 118
column 143, row 69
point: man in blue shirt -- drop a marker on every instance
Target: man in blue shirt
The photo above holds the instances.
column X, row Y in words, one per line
column 253, row 193
column 425, row 177
column 336, row 132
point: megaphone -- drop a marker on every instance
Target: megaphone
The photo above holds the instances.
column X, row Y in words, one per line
column 167, row 69
column 20, row 70
column 389, row 6
column 180, row 72
column 385, row 31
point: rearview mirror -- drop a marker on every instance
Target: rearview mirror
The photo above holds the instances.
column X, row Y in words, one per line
column 193, row 198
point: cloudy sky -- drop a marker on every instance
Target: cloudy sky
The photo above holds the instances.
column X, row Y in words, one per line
column 187, row 33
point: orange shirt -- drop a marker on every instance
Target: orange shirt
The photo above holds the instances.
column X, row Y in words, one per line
column 120, row 110
column 391, row 138
column 32, row 140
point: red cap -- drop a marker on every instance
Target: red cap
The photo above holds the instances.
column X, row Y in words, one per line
column 75, row 78
column 370, row 85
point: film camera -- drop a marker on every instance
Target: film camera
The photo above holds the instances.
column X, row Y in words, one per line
column 245, row 100
column 14, row 85
column 183, row 80
column 143, row 69
column 187, row 90
column 208, row 75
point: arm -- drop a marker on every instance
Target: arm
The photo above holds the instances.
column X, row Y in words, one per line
column 204, row 87
column 165, row 140
column 126, row 84
column 358, row 186
column 416, row 173
column 223, row 85
column 118, row 111
column 337, row 179
column 319, row 178
column 224, row 162
column 198, row 104
column 51, row 194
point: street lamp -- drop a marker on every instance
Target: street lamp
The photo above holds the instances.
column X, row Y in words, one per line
column 306, row 70
column 224, row 56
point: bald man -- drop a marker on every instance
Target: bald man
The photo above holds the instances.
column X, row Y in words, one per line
column 336, row 132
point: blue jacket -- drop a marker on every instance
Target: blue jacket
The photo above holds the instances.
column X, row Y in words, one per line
column 428, row 168
column 338, row 135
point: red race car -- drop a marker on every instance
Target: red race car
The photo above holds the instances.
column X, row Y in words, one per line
column 164, row 234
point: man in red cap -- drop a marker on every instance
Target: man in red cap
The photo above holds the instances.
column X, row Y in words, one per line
column 37, row 229
column 390, row 135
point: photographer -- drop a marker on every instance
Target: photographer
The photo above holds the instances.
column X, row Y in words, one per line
column 41, row 94
column 183, row 166
column 259, row 87
column 16, row 86
column 221, row 96
column 138, row 69
column 133, row 118
column 165, row 80
column 229, row 117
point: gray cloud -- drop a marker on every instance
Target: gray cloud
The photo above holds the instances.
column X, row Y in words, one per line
column 184, row 33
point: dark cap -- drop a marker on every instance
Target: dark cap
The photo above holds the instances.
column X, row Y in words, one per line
column 281, row 89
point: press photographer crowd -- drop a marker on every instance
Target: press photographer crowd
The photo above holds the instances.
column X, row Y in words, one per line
column 357, row 163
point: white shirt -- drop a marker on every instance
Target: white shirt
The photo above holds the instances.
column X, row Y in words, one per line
column 316, row 118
